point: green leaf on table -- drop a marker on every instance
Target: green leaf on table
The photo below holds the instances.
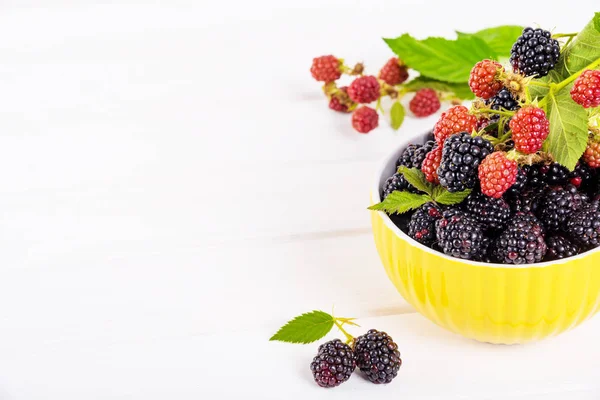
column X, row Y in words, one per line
column 416, row 178
column 306, row 328
column 499, row 38
column 439, row 58
column 397, row 114
column 443, row 196
column 568, row 135
column 460, row 90
column 400, row 202
column 582, row 51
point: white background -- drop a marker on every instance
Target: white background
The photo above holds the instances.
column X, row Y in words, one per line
column 174, row 188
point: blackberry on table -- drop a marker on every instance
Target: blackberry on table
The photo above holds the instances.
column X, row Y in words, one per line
column 584, row 226
column 557, row 204
column 522, row 242
column 377, row 356
column 559, row 248
column 461, row 157
column 333, row 364
column 422, row 223
column 461, row 236
column 534, row 52
column 489, row 212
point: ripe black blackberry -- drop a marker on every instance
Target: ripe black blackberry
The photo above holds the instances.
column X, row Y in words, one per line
column 559, row 248
column 522, row 242
column 534, row 52
column 461, row 157
column 407, row 155
column 420, row 153
column 377, row 356
column 520, row 184
column 551, row 174
column 528, row 200
column 460, row 236
column 503, row 100
column 557, row 204
column 422, row 223
column 396, row 182
column 492, row 213
column 333, row 364
column 582, row 177
column 583, row 226
column 414, row 154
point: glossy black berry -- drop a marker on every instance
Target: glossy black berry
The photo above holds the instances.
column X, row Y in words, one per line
column 333, row 364
column 377, row 356
column 534, row 52
column 503, row 100
column 520, row 184
column 583, row 176
column 526, row 201
column 422, row 223
column 407, row 155
column 461, row 236
column 557, row 204
column 559, row 247
column 420, row 153
column 583, row 226
column 492, row 213
column 548, row 174
column 396, row 182
column 522, row 242
column 461, row 157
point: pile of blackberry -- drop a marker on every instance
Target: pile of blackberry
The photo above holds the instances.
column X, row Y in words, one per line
column 521, row 208
column 550, row 213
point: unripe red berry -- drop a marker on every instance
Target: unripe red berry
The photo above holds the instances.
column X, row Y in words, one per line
column 365, row 119
column 326, row 68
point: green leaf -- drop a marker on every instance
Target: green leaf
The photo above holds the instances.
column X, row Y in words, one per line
column 306, row 328
column 460, row 90
column 499, row 38
column 439, row 58
column 540, row 91
column 397, row 114
column 583, row 50
column 442, row 196
column 417, row 179
column 401, row 202
column 568, row 128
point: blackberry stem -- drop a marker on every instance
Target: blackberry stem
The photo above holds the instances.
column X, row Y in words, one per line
column 489, row 110
column 557, row 86
column 349, row 337
column 561, row 35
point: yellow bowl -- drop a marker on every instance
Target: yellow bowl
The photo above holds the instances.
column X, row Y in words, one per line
column 492, row 303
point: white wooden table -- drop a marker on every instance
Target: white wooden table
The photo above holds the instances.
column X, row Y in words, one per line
column 174, row 189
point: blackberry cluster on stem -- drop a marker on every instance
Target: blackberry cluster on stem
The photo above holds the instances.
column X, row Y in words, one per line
column 362, row 97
